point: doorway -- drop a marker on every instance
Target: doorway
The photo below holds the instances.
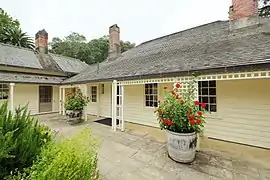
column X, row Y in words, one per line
column 45, row 98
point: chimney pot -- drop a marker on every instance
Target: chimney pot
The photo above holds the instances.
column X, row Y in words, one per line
column 114, row 42
column 41, row 41
column 243, row 9
column 243, row 13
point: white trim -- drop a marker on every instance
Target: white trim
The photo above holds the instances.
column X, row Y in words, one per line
column 85, row 108
column 60, row 100
column 114, row 102
column 63, row 101
column 11, row 98
column 181, row 79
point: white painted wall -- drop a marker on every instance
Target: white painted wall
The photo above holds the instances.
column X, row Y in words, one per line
column 29, row 93
column 243, row 112
column 242, row 115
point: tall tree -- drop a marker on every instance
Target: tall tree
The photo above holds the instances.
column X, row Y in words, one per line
column 264, row 8
column 11, row 33
column 75, row 45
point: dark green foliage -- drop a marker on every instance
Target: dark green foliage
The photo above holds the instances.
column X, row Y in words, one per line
column 11, row 33
column 67, row 159
column 21, row 138
column 76, row 46
column 264, row 8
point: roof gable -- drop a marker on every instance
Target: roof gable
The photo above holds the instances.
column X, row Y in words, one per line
column 21, row 57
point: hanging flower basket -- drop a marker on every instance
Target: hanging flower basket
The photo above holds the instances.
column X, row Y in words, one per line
column 74, row 105
column 182, row 118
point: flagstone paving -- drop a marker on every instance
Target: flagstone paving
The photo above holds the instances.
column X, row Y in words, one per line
column 136, row 156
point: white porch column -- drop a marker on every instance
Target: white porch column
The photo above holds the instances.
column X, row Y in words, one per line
column 85, row 108
column 114, row 102
column 98, row 99
column 60, row 100
column 11, row 96
column 122, row 108
column 63, row 101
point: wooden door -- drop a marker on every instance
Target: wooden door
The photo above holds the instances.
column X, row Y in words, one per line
column 45, row 98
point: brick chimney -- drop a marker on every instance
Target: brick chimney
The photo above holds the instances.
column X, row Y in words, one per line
column 41, row 41
column 114, row 42
column 243, row 13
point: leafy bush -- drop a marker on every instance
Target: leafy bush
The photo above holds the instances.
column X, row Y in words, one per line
column 76, row 101
column 21, row 139
column 68, row 159
column 179, row 112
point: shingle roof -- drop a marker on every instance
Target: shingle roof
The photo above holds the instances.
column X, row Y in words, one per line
column 68, row 64
column 29, row 78
column 15, row 56
column 22, row 57
column 204, row 47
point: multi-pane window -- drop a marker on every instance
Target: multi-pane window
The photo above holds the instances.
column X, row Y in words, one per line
column 45, row 94
column 4, row 91
column 151, row 95
column 94, row 93
column 207, row 94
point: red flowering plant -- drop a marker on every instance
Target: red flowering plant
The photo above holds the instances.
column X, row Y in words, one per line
column 179, row 112
column 76, row 101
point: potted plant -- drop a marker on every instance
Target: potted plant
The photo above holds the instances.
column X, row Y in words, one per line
column 182, row 118
column 74, row 105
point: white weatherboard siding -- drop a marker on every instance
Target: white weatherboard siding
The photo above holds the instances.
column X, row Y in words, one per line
column 26, row 93
column 29, row 93
column 243, row 114
column 134, row 105
column 92, row 107
column 55, row 98
column 103, row 104
column 105, row 100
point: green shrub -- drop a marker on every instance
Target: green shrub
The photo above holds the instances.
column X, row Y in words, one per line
column 67, row 159
column 21, row 139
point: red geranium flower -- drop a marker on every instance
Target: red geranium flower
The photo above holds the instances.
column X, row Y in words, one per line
column 177, row 96
column 192, row 117
column 200, row 113
column 169, row 122
column 190, row 109
column 165, row 121
column 160, row 111
column 203, row 105
column 158, row 101
column 197, row 103
column 199, row 121
column 182, row 101
column 177, row 85
column 192, row 121
column 173, row 92
column 79, row 89
column 165, row 87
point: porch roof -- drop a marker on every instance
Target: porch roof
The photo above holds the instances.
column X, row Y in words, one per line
column 6, row 77
column 204, row 48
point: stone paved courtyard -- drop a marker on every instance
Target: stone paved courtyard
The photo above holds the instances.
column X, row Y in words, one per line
column 132, row 155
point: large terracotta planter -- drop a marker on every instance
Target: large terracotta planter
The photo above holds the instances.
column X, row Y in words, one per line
column 181, row 146
column 73, row 116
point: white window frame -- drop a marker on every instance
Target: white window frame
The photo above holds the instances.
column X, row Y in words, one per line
column 4, row 89
column 154, row 96
column 209, row 92
column 91, row 90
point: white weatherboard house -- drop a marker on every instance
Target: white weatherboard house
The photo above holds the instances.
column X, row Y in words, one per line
column 230, row 58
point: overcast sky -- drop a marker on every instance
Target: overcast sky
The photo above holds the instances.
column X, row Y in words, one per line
column 139, row 20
